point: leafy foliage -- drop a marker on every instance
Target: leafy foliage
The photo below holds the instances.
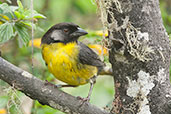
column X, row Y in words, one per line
column 6, row 31
column 15, row 21
column 23, row 36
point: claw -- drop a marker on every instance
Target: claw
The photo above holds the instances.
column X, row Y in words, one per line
column 48, row 83
column 83, row 100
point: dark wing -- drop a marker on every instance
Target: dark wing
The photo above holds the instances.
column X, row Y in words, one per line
column 89, row 57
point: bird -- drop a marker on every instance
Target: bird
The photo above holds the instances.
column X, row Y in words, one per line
column 68, row 59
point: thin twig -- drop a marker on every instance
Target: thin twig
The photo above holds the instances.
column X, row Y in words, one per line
column 32, row 34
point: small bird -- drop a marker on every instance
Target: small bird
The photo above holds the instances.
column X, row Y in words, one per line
column 68, row 59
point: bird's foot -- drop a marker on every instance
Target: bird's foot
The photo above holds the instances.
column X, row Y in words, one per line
column 48, row 83
column 83, row 100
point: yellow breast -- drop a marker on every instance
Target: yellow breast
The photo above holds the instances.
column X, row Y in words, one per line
column 63, row 63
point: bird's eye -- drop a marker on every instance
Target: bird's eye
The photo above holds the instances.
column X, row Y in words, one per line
column 65, row 30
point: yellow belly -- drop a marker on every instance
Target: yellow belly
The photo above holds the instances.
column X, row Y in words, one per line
column 62, row 61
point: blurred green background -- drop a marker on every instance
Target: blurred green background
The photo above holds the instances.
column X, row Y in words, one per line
column 82, row 12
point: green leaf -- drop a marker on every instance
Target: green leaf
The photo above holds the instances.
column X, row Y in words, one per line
column 19, row 4
column 6, row 32
column 17, row 14
column 28, row 15
column 38, row 15
column 23, row 36
column 5, row 8
column 27, row 23
column 13, row 8
column 20, row 9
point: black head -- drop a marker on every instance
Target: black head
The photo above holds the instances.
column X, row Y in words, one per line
column 63, row 32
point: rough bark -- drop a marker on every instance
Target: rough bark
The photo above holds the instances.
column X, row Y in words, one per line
column 140, row 56
column 44, row 92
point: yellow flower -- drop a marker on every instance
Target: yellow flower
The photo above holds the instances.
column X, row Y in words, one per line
column 3, row 111
column 98, row 48
column 101, row 33
column 36, row 42
column 5, row 17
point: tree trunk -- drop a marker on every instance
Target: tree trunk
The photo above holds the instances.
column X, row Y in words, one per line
column 140, row 56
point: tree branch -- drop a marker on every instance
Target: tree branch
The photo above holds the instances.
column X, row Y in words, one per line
column 45, row 93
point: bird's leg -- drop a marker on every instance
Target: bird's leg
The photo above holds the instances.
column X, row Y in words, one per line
column 87, row 99
column 92, row 82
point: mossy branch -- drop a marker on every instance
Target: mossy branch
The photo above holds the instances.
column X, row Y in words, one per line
column 46, row 94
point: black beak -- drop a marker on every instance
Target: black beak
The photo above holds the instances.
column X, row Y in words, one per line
column 79, row 32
